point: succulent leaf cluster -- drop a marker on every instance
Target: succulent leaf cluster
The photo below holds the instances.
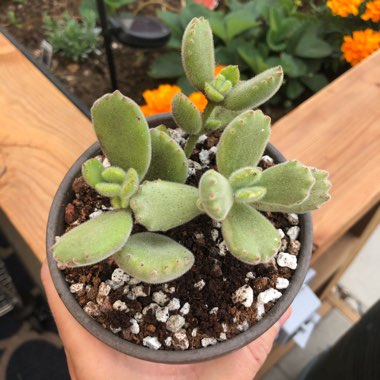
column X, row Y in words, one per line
column 146, row 179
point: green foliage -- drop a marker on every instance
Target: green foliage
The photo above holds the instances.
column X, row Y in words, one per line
column 112, row 6
column 74, row 39
column 257, row 35
column 13, row 19
column 232, row 194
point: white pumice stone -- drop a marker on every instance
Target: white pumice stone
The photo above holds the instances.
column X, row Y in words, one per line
column 152, row 306
column 243, row 295
column 160, row 297
column 216, row 224
column 92, row 309
column 106, row 163
column 268, row 295
column 214, row 310
column 139, row 317
column 213, row 149
column 177, row 136
column 204, row 157
column 267, row 160
column 260, row 310
column 175, row 323
column 95, row 214
column 89, row 288
column 285, row 259
column 202, row 139
column 293, row 219
column 208, row 342
column 162, row 314
column 281, row 233
column 118, row 275
column 168, row 289
column 214, row 234
column 194, row 332
column 222, row 248
column 185, row 309
column 168, row 341
column 103, row 291
column 243, row 326
column 135, row 328
column 282, row 283
column 114, row 285
column 75, row 288
column 138, row 291
column 180, row 340
column 199, row 236
column 174, row 304
column 250, row 275
column 115, row 330
column 133, row 281
column 193, row 166
column 293, row 232
column 120, row 306
column 224, row 327
column 284, row 245
column 151, row 342
column 200, row 284
column 223, row 336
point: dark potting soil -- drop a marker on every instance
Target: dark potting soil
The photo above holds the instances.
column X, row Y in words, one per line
column 212, row 302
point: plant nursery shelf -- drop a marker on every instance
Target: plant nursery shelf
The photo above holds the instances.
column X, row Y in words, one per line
column 42, row 133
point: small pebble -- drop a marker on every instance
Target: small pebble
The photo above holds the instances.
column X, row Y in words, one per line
column 168, row 341
column 281, row 233
column 267, row 161
column 92, row 309
column 174, row 304
column 292, row 218
column 282, row 283
column 244, row 326
column 214, row 310
column 214, row 234
column 284, row 245
column 213, row 149
column 185, row 309
column 170, row 290
column 294, row 247
column 293, row 232
column 250, row 275
column 136, row 292
column 180, row 340
column 208, row 342
column 216, row 224
column 133, row 281
column 106, row 163
column 95, row 214
column 103, row 291
column 120, row 306
column 285, row 259
column 175, row 323
column 202, row 139
column 194, row 332
column 224, row 327
column 162, row 314
column 204, row 157
column 160, row 297
column 76, row 288
column 115, row 330
column 135, row 328
column 151, row 342
column 152, row 306
column 222, row 248
column 177, row 135
column 260, row 310
column 139, row 317
column 200, row 284
column 268, row 295
column 223, row 336
column 243, row 295
column 118, row 275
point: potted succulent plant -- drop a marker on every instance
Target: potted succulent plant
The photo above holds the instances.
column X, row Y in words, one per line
column 185, row 241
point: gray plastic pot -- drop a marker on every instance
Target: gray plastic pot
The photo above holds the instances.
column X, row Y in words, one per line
column 56, row 228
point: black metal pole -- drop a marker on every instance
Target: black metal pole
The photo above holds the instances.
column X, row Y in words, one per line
column 107, row 42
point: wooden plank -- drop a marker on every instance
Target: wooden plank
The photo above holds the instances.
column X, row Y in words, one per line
column 41, row 135
column 338, row 303
column 338, row 129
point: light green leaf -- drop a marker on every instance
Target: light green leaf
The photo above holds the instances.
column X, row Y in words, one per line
column 186, row 114
column 250, row 236
column 114, row 174
column 243, row 142
column 108, row 189
column 167, row 65
column 92, row 171
column 94, row 240
column 154, row 258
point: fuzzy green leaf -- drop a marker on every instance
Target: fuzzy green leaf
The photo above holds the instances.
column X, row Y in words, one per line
column 244, row 177
column 186, row 114
column 92, row 171
column 94, row 240
column 114, row 174
column 243, row 142
column 123, row 132
column 169, row 161
column 222, row 116
column 162, row 205
column 198, row 53
column 154, row 258
column 250, row 194
column 130, row 184
column 212, row 93
column 256, row 91
column 215, row 195
column 319, row 194
column 108, row 189
column 232, row 74
column 250, row 236
column 287, row 184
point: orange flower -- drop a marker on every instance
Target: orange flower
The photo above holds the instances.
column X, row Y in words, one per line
column 344, row 8
column 159, row 100
column 218, row 69
column 372, row 11
column 199, row 100
column 361, row 45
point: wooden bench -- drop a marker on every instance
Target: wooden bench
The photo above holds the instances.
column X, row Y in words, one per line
column 42, row 133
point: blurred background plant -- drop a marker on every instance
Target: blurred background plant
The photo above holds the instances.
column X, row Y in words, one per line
column 112, row 6
column 73, row 38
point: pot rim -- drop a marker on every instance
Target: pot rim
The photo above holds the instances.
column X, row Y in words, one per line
column 55, row 220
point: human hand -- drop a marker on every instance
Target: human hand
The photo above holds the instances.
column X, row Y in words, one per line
column 90, row 359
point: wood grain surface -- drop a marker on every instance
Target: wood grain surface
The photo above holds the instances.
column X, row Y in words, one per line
column 42, row 133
